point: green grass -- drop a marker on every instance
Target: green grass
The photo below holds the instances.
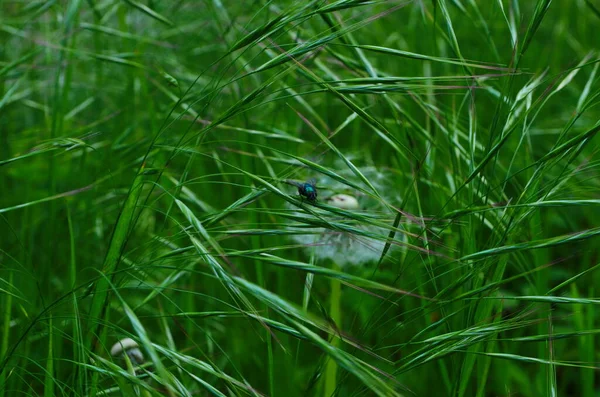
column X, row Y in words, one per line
column 144, row 147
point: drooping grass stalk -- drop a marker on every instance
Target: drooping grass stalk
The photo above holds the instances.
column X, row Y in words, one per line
column 99, row 307
column 49, row 378
column 335, row 313
column 7, row 306
column 260, row 274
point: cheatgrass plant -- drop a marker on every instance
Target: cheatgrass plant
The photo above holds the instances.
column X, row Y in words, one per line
column 144, row 149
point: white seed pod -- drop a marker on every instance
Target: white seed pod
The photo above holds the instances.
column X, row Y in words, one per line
column 343, row 201
column 131, row 348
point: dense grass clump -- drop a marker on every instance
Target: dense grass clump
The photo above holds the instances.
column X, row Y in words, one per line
column 146, row 154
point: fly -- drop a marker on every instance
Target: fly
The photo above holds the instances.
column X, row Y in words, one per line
column 306, row 189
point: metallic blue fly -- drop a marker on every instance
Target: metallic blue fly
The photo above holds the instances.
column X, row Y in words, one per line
column 307, row 189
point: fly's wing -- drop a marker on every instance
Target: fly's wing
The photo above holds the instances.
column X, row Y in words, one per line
column 293, row 183
column 312, row 181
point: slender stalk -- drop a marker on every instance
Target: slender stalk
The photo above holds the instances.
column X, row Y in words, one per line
column 336, row 316
column 5, row 332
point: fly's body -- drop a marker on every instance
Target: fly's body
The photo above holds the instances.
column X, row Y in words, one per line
column 306, row 189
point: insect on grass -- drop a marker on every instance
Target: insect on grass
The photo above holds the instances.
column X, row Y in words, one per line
column 306, row 189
